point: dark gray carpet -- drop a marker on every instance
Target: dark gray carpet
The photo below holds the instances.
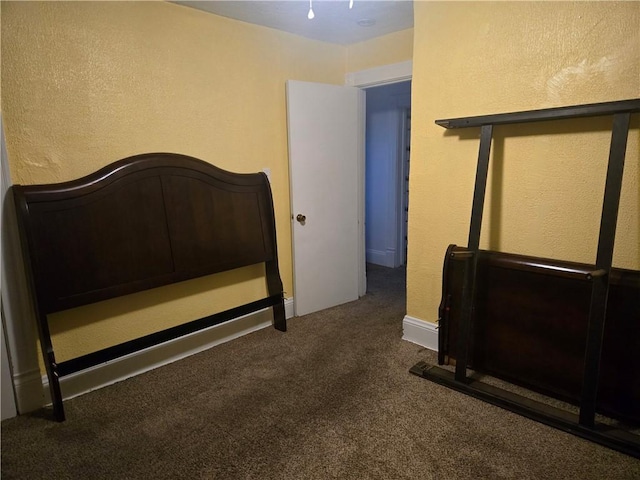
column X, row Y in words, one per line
column 330, row 399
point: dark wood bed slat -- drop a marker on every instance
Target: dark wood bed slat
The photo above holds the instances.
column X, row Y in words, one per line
column 140, row 223
column 545, row 114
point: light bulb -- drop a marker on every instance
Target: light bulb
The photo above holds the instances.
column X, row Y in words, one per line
column 310, row 15
column 350, row 4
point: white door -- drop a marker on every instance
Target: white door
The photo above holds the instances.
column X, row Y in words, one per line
column 326, row 166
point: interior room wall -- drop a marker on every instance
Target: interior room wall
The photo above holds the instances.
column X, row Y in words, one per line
column 546, row 181
column 87, row 83
column 385, row 50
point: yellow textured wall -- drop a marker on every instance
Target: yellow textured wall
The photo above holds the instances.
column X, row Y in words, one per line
column 392, row 48
column 546, row 181
column 87, row 83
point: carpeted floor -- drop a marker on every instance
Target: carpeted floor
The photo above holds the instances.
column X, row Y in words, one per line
column 330, row 399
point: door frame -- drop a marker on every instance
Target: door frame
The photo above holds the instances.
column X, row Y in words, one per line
column 383, row 75
column 372, row 77
column 8, row 399
column 403, row 170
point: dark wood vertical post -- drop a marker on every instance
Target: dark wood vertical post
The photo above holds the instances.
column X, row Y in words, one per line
column 51, row 366
column 274, row 286
column 468, row 292
column 600, row 288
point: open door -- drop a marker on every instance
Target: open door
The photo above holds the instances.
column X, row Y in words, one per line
column 326, row 165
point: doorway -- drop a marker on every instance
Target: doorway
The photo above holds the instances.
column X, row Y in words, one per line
column 387, row 139
column 362, row 81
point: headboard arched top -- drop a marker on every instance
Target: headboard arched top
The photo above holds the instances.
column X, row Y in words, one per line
column 142, row 222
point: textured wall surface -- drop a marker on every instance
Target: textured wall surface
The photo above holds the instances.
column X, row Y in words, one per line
column 546, row 181
column 392, row 48
column 87, row 83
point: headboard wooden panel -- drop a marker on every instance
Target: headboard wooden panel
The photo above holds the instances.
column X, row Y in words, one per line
column 530, row 322
column 139, row 223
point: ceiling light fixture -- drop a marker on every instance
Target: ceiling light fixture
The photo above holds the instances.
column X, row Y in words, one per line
column 310, row 15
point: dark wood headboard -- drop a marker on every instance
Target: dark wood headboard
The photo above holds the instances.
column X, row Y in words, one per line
column 139, row 223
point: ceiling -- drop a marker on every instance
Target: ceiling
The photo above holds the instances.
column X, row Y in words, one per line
column 334, row 22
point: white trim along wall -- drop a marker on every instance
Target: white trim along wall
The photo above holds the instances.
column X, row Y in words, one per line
column 372, row 77
column 8, row 399
column 18, row 319
column 163, row 354
column 420, row 332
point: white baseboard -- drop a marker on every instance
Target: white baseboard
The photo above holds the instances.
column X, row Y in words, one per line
column 139, row 362
column 384, row 258
column 420, row 332
column 289, row 311
column 28, row 390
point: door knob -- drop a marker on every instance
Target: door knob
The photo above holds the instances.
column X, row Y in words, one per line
column 301, row 218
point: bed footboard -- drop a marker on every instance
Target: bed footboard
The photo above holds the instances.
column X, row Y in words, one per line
column 529, row 327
